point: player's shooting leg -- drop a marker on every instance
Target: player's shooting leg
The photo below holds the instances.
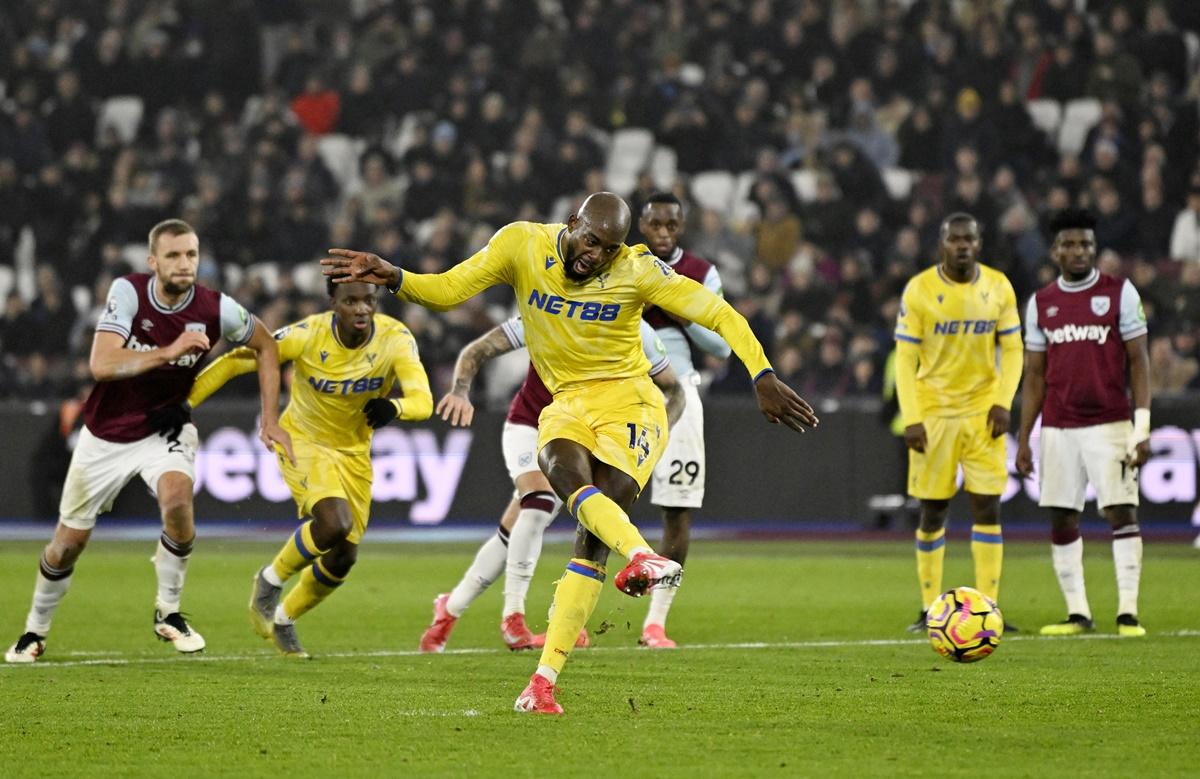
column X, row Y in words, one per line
column 594, row 492
column 931, row 548
column 174, row 491
column 987, row 543
column 319, row 580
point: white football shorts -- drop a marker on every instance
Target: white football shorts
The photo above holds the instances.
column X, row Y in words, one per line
column 100, row 469
column 519, row 444
column 1071, row 457
column 678, row 480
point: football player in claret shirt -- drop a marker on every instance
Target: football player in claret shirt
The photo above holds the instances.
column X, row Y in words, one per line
column 346, row 362
column 147, row 350
column 955, row 402
column 580, row 291
column 1082, row 332
column 678, row 482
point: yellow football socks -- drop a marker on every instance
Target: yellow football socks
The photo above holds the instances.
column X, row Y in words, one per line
column 931, row 551
column 316, row 583
column 605, row 519
column 575, row 598
column 987, row 547
column 297, row 552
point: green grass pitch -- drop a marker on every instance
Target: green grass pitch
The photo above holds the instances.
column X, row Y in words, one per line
column 794, row 663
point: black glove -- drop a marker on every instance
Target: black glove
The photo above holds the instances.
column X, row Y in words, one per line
column 168, row 421
column 380, row 411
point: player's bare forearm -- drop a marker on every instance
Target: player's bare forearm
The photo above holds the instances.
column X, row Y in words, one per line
column 1033, row 393
column 267, row 352
column 111, row 361
column 1139, row 371
column 491, row 344
column 672, row 390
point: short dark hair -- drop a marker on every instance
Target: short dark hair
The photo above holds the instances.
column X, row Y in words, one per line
column 330, row 286
column 663, row 197
column 958, row 217
column 1072, row 219
column 168, row 227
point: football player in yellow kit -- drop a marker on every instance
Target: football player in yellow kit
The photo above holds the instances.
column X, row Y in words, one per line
column 580, row 291
column 346, row 361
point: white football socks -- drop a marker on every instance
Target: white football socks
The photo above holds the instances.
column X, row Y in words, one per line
column 170, row 564
column 52, row 584
column 1068, row 566
column 660, row 604
column 525, row 547
column 485, row 569
column 1127, row 559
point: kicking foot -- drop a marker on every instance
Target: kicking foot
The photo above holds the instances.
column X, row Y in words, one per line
column 655, row 637
column 286, row 640
column 516, row 633
column 538, row 697
column 29, row 647
column 648, row 571
column 1129, row 627
column 438, row 633
column 263, row 600
column 1073, row 625
column 174, row 628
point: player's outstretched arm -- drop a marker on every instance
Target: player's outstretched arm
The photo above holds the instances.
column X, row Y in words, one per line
column 217, row 373
column 1033, row 395
column 455, row 406
column 668, row 381
column 111, row 361
column 780, row 403
column 267, row 352
column 346, row 265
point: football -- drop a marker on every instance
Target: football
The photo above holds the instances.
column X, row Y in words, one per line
column 964, row 625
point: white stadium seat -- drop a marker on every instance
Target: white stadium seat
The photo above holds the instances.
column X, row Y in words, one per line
column 1078, row 117
column 664, row 167
column 1046, row 115
column 713, row 189
column 805, row 182
column 899, row 182
column 340, row 154
column 628, row 155
column 122, row 113
column 8, row 280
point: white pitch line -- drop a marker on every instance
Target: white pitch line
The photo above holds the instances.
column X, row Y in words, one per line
column 109, row 660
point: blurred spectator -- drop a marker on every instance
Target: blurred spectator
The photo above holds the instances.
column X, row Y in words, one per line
column 1169, row 372
column 1185, row 234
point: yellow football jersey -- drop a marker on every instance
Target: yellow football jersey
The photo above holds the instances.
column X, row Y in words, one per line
column 331, row 382
column 955, row 328
column 578, row 333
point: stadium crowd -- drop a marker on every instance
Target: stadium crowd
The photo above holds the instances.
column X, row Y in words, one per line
column 816, row 143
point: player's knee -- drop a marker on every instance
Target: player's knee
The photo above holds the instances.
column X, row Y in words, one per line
column 1120, row 516
column 63, row 552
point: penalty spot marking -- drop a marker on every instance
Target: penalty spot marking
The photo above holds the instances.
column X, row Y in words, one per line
column 110, row 659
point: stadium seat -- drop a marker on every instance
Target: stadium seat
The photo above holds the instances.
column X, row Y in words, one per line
column 268, row 272
column 743, row 208
column 663, row 167
column 1079, row 117
column 899, row 182
column 8, row 280
column 121, row 113
column 340, row 154
column 81, row 297
column 1192, row 41
column 308, row 278
column 1046, row 115
column 713, row 189
column 805, row 182
column 628, row 155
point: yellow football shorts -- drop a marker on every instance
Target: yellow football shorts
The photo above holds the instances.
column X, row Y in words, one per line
column 321, row 472
column 622, row 422
column 954, row 441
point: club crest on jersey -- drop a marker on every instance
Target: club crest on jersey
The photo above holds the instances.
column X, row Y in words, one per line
column 1051, row 311
column 1100, row 305
column 549, row 262
column 147, row 324
column 195, row 327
